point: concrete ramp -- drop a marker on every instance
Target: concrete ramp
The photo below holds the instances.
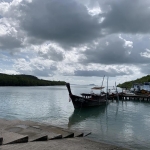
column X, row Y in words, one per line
column 35, row 131
column 76, row 133
column 50, row 134
column 52, row 131
column 53, row 136
column 57, row 130
column 11, row 138
column 33, row 134
column 79, row 134
column 38, row 137
column 87, row 133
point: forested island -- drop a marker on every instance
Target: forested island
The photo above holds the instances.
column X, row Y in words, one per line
column 130, row 83
column 26, row 80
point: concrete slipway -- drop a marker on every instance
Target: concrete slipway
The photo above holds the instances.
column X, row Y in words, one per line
column 28, row 135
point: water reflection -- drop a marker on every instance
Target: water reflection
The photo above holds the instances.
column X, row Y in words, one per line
column 80, row 115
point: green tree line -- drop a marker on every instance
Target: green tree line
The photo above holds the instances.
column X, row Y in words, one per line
column 130, row 83
column 26, row 80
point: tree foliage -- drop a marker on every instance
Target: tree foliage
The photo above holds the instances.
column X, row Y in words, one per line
column 26, row 80
column 130, row 83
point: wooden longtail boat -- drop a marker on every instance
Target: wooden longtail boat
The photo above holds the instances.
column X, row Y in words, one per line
column 86, row 100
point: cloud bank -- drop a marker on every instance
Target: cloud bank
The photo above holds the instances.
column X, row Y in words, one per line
column 73, row 38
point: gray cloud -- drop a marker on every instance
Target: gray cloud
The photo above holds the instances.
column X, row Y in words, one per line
column 45, row 72
column 145, row 68
column 52, row 54
column 64, row 21
column 115, row 52
column 100, row 73
column 6, row 1
column 127, row 16
column 68, row 23
column 8, row 42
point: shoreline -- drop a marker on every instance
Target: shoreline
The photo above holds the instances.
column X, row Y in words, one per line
column 39, row 136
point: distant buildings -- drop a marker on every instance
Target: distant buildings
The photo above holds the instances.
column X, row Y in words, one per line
column 138, row 86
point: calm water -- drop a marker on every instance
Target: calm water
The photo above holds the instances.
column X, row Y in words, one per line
column 124, row 123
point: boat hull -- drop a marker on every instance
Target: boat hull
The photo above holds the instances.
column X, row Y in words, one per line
column 81, row 102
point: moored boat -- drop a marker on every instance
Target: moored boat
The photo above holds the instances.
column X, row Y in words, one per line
column 86, row 100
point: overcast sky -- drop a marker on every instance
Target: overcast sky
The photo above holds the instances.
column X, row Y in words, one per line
column 75, row 41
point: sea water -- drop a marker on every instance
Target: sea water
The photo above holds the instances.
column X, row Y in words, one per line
column 126, row 123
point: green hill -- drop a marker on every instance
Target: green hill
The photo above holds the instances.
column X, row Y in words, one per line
column 130, row 83
column 25, row 80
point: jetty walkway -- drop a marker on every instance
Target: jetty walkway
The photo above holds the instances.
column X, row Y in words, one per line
column 128, row 97
column 28, row 135
column 135, row 97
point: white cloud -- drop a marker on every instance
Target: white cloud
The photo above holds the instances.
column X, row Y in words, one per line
column 146, row 54
column 94, row 11
column 9, row 71
column 4, row 6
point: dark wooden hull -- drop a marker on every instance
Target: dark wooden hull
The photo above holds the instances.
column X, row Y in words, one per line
column 81, row 102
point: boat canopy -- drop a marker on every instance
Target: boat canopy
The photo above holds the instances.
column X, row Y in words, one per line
column 97, row 88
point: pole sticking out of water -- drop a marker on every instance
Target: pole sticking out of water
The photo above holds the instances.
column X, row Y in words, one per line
column 107, row 90
column 102, row 84
column 117, row 93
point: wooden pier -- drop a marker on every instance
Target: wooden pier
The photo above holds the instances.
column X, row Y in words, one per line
column 126, row 97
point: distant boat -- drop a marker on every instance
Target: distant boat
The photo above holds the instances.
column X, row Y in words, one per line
column 91, row 84
column 87, row 100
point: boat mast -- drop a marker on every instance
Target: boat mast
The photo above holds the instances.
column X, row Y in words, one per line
column 117, row 92
column 107, row 90
column 102, row 84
